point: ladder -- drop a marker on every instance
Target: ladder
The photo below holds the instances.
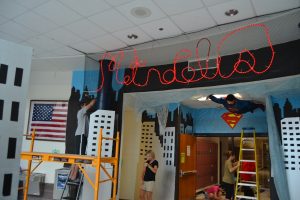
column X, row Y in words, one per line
column 75, row 183
column 250, row 185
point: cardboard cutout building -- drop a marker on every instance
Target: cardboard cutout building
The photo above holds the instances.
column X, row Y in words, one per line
column 15, row 66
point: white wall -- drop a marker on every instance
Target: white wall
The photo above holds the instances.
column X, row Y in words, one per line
column 47, row 84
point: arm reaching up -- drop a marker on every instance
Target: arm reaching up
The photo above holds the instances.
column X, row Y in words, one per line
column 216, row 100
column 90, row 105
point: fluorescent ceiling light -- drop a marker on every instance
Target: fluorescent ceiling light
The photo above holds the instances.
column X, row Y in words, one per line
column 237, row 95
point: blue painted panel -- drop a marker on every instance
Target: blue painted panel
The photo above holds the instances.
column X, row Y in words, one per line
column 210, row 121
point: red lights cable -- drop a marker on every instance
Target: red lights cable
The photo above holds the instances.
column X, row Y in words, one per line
column 193, row 75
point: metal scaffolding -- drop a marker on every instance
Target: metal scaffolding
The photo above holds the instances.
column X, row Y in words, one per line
column 79, row 160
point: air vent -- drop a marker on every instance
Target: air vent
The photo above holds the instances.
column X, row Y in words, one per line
column 194, row 64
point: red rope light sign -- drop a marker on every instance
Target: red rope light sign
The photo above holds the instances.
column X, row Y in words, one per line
column 183, row 55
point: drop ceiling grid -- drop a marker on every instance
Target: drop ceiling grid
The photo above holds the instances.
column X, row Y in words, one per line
column 86, row 8
column 87, row 47
column 35, row 22
column 17, row 30
column 142, row 36
column 188, row 21
column 108, row 42
column 169, row 28
column 244, row 11
column 22, row 21
column 64, row 36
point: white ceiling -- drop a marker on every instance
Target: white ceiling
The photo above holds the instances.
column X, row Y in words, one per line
column 283, row 86
column 54, row 28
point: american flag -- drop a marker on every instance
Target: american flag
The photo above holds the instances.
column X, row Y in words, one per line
column 49, row 120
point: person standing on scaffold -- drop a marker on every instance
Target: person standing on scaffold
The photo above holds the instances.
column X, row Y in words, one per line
column 82, row 131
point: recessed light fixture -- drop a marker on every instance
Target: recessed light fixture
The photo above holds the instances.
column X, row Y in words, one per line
column 161, row 29
column 140, row 12
column 231, row 12
column 132, row 36
column 237, row 95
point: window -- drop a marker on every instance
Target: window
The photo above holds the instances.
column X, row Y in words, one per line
column 3, row 73
column 11, row 150
column 7, row 181
column 1, row 109
column 14, row 115
column 18, row 77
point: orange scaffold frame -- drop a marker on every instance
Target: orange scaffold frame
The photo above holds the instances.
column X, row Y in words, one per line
column 94, row 161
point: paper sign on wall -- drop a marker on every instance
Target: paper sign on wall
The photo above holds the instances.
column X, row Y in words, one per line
column 182, row 158
column 188, row 150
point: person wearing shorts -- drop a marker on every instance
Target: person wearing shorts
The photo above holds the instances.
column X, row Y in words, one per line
column 148, row 176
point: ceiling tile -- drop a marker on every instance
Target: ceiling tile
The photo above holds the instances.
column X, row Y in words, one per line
column 66, row 51
column 35, row 22
column 17, row 30
column 57, row 12
column 169, row 28
column 85, row 29
column 44, row 43
column 10, row 9
column 111, row 20
column 108, row 42
column 232, row 26
column 244, row 8
column 172, row 7
column 64, row 36
column 214, row 2
column 86, row 7
column 9, row 37
column 263, row 7
column 117, row 2
column 38, row 53
column 156, row 13
column 87, row 47
column 3, row 19
column 31, row 3
column 187, row 22
column 142, row 36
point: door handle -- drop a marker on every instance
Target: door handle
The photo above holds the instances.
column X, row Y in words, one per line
column 183, row 173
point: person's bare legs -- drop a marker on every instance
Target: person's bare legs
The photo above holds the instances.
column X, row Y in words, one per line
column 142, row 194
column 148, row 195
column 74, row 171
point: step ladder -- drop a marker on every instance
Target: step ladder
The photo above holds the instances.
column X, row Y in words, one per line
column 77, row 183
column 254, row 185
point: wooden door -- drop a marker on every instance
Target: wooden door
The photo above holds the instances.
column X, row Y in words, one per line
column 187, row 167
column 207, row 163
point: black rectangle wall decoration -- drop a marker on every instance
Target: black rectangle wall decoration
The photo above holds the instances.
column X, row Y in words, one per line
column 7, row 181
column 1, row 108
column 14, row 115
column 3, row 73
column 18, row 77
column 11, row 150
